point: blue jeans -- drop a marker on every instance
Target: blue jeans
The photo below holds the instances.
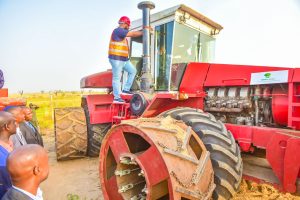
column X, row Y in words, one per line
column 117, row 68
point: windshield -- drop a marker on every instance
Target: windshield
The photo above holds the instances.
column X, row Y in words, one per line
column 190, row 45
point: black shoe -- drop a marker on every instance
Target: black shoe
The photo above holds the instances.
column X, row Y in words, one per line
column 124, row 92
column 119, row 100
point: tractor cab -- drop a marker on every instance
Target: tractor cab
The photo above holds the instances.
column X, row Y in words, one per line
column 180, row 35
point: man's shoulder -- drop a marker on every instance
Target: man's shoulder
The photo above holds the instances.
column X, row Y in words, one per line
column 25, row 128
column 119, row 33
column 120, row 29
column 3, row 153
column 22, row 124
column 13, row 194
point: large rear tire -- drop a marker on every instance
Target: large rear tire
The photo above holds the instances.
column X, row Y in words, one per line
column 70, row 133
column 95, row 132
column 225, row 153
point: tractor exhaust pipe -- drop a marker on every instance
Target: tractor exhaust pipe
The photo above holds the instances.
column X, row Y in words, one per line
column 146, row 78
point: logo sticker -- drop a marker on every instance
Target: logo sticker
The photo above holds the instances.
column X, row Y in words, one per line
column 269, row 77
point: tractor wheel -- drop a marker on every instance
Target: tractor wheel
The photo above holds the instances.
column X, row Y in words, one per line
column 95, row 132
column 225, row 153
column 70, row 133
column 154, row 158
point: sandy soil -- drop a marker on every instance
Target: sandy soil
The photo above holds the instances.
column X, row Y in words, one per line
column 72, row 180
column 78, row 180
column 253, row 191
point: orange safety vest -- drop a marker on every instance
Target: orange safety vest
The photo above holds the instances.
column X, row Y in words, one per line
column 118, row 48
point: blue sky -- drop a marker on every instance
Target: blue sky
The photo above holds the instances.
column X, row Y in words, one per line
column 51, row 45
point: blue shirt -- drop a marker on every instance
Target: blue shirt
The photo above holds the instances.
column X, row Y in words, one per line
column 1, row 79
column 5, row 182
column 118, row 35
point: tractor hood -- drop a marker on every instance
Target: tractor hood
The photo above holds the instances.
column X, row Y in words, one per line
column 98, row 80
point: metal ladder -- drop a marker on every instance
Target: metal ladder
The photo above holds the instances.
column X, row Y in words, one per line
column 119, row 111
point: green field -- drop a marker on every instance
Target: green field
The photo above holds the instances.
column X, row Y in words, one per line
column 48, row 101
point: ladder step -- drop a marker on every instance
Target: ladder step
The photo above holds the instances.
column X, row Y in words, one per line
column 120, row 103
column 296, row 104
column 118, row 117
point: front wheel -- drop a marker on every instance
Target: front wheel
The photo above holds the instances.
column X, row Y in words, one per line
column 95, row 132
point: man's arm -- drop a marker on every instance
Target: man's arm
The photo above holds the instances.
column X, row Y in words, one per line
column 134, row 34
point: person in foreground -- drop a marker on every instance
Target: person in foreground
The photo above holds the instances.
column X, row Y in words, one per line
column 7, row 128
column 28, row 168
column 118, row 55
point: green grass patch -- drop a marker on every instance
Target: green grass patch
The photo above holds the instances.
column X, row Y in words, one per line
column 48, row 101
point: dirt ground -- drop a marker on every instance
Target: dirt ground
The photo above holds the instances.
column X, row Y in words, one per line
column 253, row 191
column 79, row 180
column 71, row 180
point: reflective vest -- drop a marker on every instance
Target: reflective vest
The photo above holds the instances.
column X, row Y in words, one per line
column 118, row 48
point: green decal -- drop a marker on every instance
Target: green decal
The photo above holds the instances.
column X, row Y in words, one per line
column 267, row 75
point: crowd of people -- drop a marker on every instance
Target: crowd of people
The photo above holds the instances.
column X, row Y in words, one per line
column 23, row 160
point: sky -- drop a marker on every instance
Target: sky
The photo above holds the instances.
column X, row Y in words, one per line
column 51, row 44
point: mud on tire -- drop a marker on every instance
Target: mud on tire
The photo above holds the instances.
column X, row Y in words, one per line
column 225, row 153
column 70, row 133
column 95, row 132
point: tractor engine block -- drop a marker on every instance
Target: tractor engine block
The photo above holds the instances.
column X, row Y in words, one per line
column 241, row 105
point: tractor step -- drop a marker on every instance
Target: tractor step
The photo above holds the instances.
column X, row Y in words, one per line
column 118, row 118
column 119, row 111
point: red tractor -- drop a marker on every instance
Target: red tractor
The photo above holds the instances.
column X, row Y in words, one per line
column 7, row 101
column 4, row 99
column 193, row 128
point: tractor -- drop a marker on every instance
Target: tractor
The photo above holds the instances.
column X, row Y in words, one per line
column 5, row 100
column 193, row 128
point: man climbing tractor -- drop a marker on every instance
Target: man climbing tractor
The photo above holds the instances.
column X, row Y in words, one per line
column 118, row 55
